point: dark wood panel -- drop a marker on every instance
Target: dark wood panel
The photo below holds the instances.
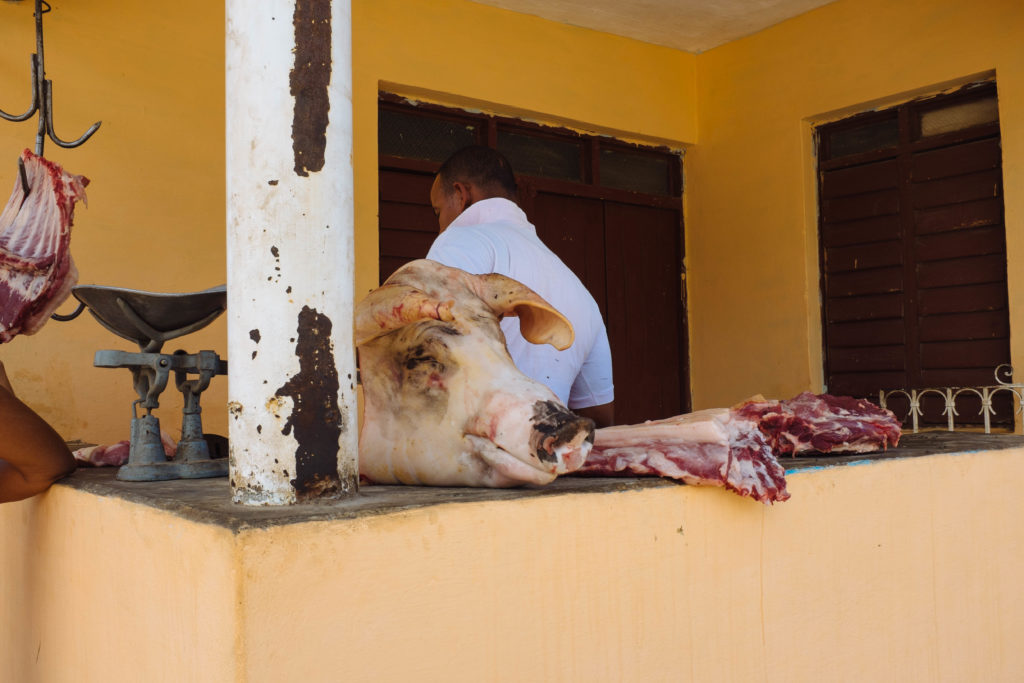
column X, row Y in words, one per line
column 867, row 359
column 878, row 229
column 864, row 308
column 959, row 377
column 986, row 353
column 859, row 179
column 963, row 188
column 573, row 228
column 407, row 244
column 987, row 211
column 863, row 257
column 960, row 243
column 408, row 187
column 881, row 203
column 965, row 271
column 408, row 217
column 389, row 264
column 866, row 333
column 879, row 281
column 645, row 325
column 864, row 384
column 963, row 326
column 987, row 297
column 956, row 160
column 947, row 317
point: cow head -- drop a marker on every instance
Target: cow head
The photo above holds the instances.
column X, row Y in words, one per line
column 444, row 404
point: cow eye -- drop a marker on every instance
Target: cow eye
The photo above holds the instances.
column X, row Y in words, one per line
column 411, row 363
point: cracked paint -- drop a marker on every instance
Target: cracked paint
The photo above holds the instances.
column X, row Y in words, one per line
column 310, row 77
column 315, row 416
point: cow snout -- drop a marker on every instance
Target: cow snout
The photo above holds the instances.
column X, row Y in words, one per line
column 560, row 437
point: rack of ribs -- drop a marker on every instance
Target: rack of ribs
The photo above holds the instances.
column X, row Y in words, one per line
column 36, row 269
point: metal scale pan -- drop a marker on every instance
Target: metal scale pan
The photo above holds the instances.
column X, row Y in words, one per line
column 149, row 319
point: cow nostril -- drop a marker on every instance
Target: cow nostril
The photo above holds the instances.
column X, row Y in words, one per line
column 554, row 427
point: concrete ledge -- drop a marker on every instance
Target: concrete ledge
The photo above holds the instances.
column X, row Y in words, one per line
column 208, row 501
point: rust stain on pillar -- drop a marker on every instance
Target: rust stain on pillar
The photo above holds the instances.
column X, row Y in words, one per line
column 309, row 80
column 315, row 415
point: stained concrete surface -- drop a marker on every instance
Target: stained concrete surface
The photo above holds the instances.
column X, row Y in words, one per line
column 209, row 500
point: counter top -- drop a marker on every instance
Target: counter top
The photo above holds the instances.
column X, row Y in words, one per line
column 209, row 500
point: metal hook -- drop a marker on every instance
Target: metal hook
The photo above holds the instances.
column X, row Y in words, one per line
column 42, row 93
column 24, row 179
column 34, row 107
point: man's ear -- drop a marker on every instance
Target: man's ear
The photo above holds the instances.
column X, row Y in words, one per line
column 464, row 195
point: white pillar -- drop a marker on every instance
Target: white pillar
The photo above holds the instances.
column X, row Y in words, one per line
column 290, row 243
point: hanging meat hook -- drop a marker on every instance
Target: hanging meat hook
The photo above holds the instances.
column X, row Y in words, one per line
column 42, row 102
column 42, row 95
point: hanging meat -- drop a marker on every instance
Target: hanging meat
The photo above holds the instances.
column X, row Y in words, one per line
column 36, row 269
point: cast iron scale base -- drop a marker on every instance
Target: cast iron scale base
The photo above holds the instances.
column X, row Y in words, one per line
column 150, row 319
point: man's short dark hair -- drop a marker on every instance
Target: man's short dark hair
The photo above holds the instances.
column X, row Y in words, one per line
column 482, row 166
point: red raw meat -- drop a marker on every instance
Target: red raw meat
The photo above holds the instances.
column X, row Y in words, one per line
column 709, row 447
column 36, row 270
column 736, row 447
column 823, row 423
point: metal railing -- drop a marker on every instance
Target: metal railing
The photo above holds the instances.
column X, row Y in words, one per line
column 1004, row 383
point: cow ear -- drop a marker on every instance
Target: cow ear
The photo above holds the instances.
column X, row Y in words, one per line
column 539, row 322
column 390, row 307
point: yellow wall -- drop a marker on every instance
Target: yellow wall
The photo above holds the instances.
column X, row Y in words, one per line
column 100, row 589
column 467, row 55
column 743, row 111
column 868, row 573
column 751, row 202
column 154, row 74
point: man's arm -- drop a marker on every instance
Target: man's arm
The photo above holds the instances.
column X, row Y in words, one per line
column 32, row 454
column 602, row 415
column 594, row 383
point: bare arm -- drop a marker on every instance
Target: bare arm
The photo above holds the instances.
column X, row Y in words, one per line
column 602, row 415
column 32, row 454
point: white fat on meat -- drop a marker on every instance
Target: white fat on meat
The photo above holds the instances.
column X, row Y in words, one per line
column 36, row 270
column 708, row 447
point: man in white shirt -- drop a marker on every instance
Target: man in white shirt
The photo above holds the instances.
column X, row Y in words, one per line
column 483, row 230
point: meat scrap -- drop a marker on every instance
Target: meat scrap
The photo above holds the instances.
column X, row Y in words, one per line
column 36, row 270
column 823, row 423
column 709, row 447
column 116, row 454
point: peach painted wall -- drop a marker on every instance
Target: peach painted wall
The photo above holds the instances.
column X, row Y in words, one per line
column 154, row 74
column 751, row 196
column 100, row 589
column 888, row 571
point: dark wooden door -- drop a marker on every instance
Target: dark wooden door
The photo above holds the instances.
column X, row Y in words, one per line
column 644, row 289
column 913, row 249
column 623, row 238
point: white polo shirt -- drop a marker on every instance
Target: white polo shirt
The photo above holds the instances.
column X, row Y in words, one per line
column 493, row 236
